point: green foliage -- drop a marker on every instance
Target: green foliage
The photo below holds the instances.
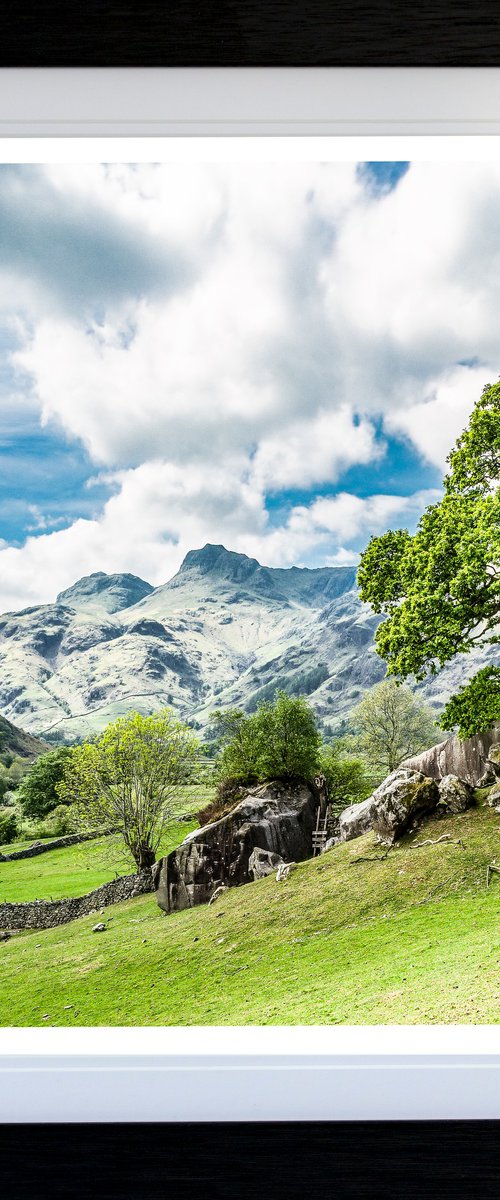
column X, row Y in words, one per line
column 37, row 791
column 127, row 779
column 476, row 705
column 347, row 777
column 440, row 589
column 391, row 725
column 8, row 826
column 279, row 741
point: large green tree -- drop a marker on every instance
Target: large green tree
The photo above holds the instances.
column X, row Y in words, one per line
column 279, row 741
column 127, row 779
column 440, row 588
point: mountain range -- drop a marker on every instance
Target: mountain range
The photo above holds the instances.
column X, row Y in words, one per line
column 225, row 631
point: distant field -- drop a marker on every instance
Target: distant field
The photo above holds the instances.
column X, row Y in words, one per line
column 414, row 938
column 74, row 870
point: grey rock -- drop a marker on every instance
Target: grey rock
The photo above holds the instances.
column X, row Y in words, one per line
column 455, row 795
column 469, row 758
column 400, row 801
column 100, row 928
column 494, row 794
column 275, row 817
column 494, row 760
column 354, row 821
column 263, row 862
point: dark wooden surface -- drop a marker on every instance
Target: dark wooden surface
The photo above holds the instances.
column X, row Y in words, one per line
column 342, row 1161
column 250, row 33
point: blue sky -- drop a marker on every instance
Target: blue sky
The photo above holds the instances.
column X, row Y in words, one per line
column 277, row 358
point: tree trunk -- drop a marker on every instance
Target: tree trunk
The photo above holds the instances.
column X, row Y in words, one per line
column 144, row 857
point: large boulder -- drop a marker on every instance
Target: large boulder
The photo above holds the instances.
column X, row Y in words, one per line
column 493, row 761
column 494, row 795
column 400, row 801
column 455, row 795
column 468, row 758
column 275, row 817
column 353, row 822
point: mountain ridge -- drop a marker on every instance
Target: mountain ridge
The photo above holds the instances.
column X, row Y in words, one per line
column 224, row 631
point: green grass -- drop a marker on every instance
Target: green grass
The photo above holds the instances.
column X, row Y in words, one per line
column 74, row 870
column 22, row 844
column 414, row 938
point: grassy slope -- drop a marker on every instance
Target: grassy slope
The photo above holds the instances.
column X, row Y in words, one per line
column 16, row 741
column 79, row 869
column 412, row 939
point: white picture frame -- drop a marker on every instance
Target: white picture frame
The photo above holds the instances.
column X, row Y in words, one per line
column 214, row 1074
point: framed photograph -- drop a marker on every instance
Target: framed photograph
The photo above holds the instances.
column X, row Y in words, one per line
column 249, row 597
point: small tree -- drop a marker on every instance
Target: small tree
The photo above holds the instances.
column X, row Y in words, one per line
column 127, row 779
column 279, row 741
column 37, row 791
column 347, row 777
column 391, row 725
column 236, row 738
column 8, row 826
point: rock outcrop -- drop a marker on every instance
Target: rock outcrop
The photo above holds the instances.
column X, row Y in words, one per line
column 263, row 862
column 467, row 758
column 400, row 801
column 455, row 795
column 397, row 804
column 275, row 817
column 354, row 821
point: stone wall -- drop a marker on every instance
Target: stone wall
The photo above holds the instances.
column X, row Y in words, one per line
column 46, row 914
column 69, row 839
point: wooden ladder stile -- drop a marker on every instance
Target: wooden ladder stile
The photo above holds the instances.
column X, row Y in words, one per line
column 320, row 833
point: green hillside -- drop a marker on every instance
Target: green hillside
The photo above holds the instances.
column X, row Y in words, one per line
column 15, row 743
column 349, row 938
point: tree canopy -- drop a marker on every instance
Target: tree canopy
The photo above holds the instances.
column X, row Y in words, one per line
column 37, row 791
column 391, row 725
column 126, row 780
column 440, row 588
column 279, row 741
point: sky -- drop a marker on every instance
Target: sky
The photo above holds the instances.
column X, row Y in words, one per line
column 276, row 358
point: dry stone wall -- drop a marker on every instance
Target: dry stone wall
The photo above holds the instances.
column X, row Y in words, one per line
column 69, row 839
column 46, row 914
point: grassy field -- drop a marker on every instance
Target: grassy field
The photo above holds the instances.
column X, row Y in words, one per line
column 74, row 870
column 412, row 938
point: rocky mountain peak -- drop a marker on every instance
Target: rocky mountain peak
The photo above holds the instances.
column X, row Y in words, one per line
column 110, row 593
column 231, row 567
column 216, row 560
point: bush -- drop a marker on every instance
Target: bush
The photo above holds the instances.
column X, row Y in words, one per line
column 37, row 791
column 8, row 826
column 279, row 741
column 347, row 777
